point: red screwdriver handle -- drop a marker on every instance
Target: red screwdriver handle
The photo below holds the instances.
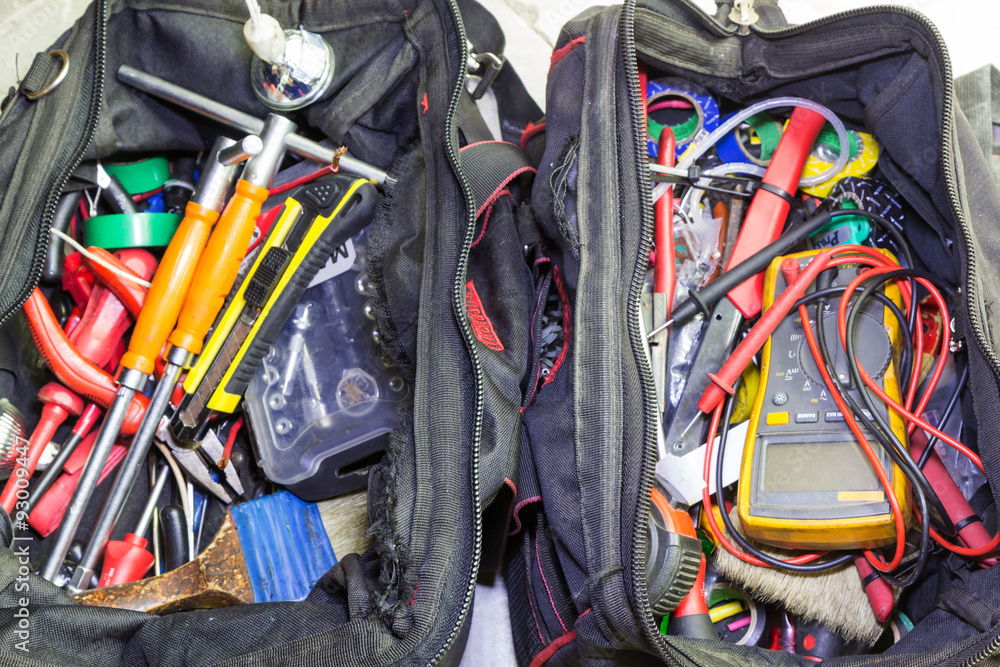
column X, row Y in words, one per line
column 135, row 261
column 59, row 404
column 723, row 380
column 125, row 561
column 113, row 303
column 72, row 368
column 766, row 215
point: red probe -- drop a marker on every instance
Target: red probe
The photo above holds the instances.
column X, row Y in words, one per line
column 971, row 531
column 797, row 281
column 878, row 590
column 665, row 274
column 768, row 210
column 60, row 403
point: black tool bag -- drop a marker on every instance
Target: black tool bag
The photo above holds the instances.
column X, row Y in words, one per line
column 507, row 280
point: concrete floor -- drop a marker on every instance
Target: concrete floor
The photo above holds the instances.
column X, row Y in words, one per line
column 531, row 27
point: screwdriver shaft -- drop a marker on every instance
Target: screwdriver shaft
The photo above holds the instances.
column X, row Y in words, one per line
column 125, row 480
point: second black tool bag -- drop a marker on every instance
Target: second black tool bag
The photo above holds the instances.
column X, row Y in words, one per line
column 580, row 537
column 393, row 102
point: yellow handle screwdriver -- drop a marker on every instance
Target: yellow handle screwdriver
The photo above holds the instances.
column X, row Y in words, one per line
column 211, row 281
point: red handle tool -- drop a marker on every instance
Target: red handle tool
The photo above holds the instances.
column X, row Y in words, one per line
column 48, row 510
column 878, row 590
column 72, row 368
column 971, row 531
column 797, row 281
column 77, row 279
column 113, row 303
column 60, row 403
column 768, row 210
column 138, row 262
column 665, row 274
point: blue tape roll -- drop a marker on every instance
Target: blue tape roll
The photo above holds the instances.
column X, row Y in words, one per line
column 768, row 130
column 704, row 104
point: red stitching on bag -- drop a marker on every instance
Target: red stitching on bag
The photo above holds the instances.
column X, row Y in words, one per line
column 559, row 54
column 530, row 132
column 502, row 189
column 517, row 509
column 567, row 331
column 480, row 321
column 552, row 602
column 551, row 649
column 531, row 606
column 486, row 218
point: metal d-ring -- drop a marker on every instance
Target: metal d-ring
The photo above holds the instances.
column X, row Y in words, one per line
column 59, row 77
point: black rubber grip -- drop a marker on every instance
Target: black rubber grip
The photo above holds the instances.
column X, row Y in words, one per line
column 354, row 216
column 263, row 280
column 53, row 269
column 699, row 626
column 175, row 537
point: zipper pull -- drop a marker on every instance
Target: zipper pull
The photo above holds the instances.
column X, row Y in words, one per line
column 744, row 15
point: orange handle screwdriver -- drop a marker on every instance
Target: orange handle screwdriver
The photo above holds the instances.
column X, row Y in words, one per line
column 220, row 262
column 159, row 312
column 212, row 280
column 171, row 282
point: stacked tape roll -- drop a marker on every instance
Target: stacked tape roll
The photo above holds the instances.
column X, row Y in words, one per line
column 704, row 120
column 753, row 141
column 864, row 156
column 142, row 176
column 131, row 230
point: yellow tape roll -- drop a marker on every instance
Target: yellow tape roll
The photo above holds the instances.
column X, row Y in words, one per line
column 860, row 164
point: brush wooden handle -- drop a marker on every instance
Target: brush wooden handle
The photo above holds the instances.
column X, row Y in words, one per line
column 216, row 578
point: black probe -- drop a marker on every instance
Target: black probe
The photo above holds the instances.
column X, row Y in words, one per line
column 702, row 300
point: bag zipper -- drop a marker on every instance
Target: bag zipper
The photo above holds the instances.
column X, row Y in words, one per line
column 49, row 211
column 640, row 533
column 458, row 303
column 948, row 166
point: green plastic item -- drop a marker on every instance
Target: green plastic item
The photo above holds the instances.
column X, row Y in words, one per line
column 828, row 137
column 842, row 230
column 682, row 132
column 665, row 626
column 769, row 132
column 142, row 176
column 131, row 230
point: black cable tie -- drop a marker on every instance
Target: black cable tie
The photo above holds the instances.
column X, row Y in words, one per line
column 775, row 190
column 972, row 518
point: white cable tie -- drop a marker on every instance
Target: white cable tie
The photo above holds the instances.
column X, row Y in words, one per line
column 94, row 258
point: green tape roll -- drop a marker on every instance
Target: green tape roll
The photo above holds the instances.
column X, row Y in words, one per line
column 731, row 148
column 682, row 132
column 142, row 176
column 131, row 230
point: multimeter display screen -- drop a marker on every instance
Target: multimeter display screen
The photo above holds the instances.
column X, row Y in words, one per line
column 829, row 466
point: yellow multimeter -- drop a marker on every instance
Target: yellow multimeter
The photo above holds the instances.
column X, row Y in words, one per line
column 805, row 481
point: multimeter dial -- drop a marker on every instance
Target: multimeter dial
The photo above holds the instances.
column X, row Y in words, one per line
column 874, row 353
